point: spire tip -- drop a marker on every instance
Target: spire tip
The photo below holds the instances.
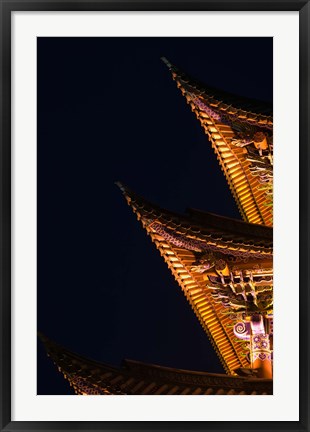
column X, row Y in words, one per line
column 120, row 185
column 166, row 61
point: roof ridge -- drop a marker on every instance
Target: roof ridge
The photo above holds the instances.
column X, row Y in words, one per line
column 221, row 94
column 197, row 217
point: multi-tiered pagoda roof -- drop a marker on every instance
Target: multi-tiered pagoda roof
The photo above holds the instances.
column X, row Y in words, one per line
column 223, row 266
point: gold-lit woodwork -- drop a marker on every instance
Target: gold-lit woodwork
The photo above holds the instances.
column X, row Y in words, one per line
column 223, row 266
column 227, row 238
column 230, row 149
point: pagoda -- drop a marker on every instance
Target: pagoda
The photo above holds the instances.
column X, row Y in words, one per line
column 224, row 266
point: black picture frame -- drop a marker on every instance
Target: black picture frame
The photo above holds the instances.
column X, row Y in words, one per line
column 6, row 8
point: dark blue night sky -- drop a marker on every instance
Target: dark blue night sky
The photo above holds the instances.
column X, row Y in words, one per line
column 109, row 110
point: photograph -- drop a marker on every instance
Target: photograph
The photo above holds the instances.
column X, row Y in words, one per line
column 155, row 216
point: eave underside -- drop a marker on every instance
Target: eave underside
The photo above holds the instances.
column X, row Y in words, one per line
column 249, row 194
column 209, row 314
column 253, row 201
column 213, row 317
